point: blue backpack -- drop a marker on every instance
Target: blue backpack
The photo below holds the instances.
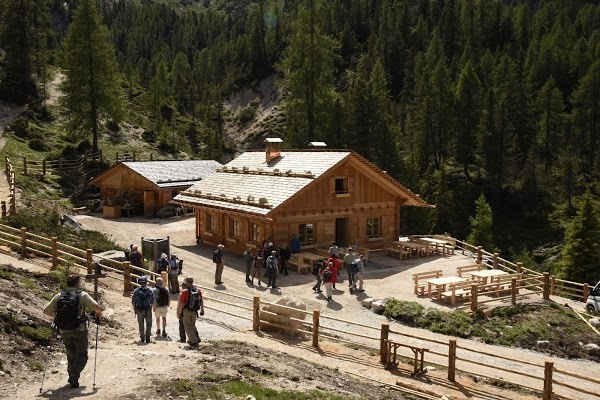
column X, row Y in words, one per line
column 354, row 267
column 142, row 298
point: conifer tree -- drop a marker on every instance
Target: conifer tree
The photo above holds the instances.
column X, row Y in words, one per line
column 582, row 245
column 181, row 80
column 307, row 66
column 91, row 88
column 551, row 107
column 469, row 108
column 482, row 224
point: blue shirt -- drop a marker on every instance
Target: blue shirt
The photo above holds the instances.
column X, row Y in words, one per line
column 295, row 245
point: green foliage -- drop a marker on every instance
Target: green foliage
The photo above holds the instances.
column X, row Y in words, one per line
column 39, row 333
column 481, row 225
column 582, row 245
column 91, row 88
column 405, row 311
column 248, row 112
column 38, row 145
column 36, row 365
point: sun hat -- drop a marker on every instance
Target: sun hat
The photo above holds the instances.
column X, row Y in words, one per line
column 163, row 255
column 220, row 246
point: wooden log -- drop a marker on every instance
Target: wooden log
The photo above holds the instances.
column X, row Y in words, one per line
column 256, row 314
column 385, row 330
column 23, row 242
column 495, row 262
column 546, row 285
column 89, row 255
column 126, row 277
column 452, row 360
column 548, row 367
column 474, row 297
column 54, row 252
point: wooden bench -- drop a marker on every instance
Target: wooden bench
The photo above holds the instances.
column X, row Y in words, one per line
column 468, row 268
column 460, row 289
column 419, row 276
column 503, row 283
column 79, row 210
column 418, row 352
column 397, row 252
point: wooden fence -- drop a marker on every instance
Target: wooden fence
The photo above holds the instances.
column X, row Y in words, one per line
column 9, row 206
column 537, row 280
column 456, row 357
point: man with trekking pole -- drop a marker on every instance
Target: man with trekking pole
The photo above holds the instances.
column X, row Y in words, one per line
column 68, row 309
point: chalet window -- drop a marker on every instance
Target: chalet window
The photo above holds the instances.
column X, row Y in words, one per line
column 374, row 227
column 341, row 185
column 306, row 233
column 234, row 227
column 255, row 233
column 211, row 222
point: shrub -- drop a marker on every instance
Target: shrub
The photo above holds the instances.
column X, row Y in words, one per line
column 248, row 112
column 113, row 126
column 457, row 323
column 149, row 136
column 20, row 127
column 42, row 333
column 38, row 145
column 405, row 311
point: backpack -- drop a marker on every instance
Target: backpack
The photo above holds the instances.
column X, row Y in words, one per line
column 135, row 259
column 163, row 297
column 162, row 265
column 141, row 299
column 216, row 257
column 194, row 300
column 317, row 268
column 270, row 262
column 67, row 310
column 180, row 266
column 327, row 275
column 354, row 267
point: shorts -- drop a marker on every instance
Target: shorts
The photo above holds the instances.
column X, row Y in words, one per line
column 161, row 311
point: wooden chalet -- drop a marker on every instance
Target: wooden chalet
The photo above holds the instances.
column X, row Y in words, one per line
column 133, row 187
column 320, row 195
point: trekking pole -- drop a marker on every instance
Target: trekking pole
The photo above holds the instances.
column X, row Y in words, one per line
column 96, row 352
column 54, row 332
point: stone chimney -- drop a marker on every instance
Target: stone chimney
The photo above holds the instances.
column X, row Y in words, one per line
column 272, row 148
column 317, row 145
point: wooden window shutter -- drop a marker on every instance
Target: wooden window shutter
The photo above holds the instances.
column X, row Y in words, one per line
column 350, row 184
column 331, row 185
column 226, row 225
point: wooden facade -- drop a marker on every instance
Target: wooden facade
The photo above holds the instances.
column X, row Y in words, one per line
column 351, row 202
column 127, row 188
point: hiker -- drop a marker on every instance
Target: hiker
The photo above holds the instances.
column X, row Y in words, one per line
column 318, row 272
column 328, row 277
column 161, row 306
column 190, row 302
column 182, row 335
column 218, row 260
column 271, row 266
column 248, row 259
column 162, row 264
column 270, row 246
column 284, row 254
column 174, row 272
column 142, row 301
column 348, row 260
column 334, row 250
column 265, row 248
column 135, row 258
column 257, row 267
column 336, row 266
column 68, row 309
column 357, row 267
column 295, row 244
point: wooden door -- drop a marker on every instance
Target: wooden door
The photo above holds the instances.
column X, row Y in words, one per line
column 150, row 203
column 341, row 232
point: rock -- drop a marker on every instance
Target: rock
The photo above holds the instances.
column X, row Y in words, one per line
column 378, row 306
column 280, row 317
column 250, row 397
column 595, row 322
column 367, row 302
column 592, row 348
column 543, row 343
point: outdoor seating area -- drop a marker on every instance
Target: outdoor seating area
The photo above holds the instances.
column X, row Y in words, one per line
column 304, row 261
column 416, row 246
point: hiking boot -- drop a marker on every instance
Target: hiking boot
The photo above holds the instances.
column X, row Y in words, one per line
column 182, row 340
column 361, row 290
column 164, row 334
column 157, row 332
column 319, row 291
column 142, row 340
column 73, row 382
column 147, row 339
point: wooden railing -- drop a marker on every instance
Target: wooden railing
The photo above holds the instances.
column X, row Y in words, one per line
column 44, row 167
column 12, row 197
column 444, row 353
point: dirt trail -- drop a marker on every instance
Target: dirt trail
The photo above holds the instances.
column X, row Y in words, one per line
column 380, row 283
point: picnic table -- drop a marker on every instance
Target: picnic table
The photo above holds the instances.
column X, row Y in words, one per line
column 305, row 261
column 447, row 248
column 483, row 275
column 440, row 284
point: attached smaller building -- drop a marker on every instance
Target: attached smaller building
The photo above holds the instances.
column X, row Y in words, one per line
column 135, row 187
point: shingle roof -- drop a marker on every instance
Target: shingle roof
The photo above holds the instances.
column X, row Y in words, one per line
column 166, row 174
column 254, row 179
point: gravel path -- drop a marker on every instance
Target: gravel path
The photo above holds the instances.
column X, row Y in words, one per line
column 385, row 277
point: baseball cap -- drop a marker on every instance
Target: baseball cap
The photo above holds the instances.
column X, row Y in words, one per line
column 143, row 279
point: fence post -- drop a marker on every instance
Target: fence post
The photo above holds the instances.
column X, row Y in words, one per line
column 44, row 167
column 3, row 205
column 385, row 332
column 256, row 314
column 452, row 360
column 315, row 330
column 549, row 366
column 519, row 267
column 553, row 286
column 496, row 260
column 546, row 285
column 126, row 277
column 24, row 165
column 513, row 291
column 54, row 252
column 479, row 255
column 586, row 291
column 13, row 203
column 23, row 242
column 474, row 297
column 90, row 260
